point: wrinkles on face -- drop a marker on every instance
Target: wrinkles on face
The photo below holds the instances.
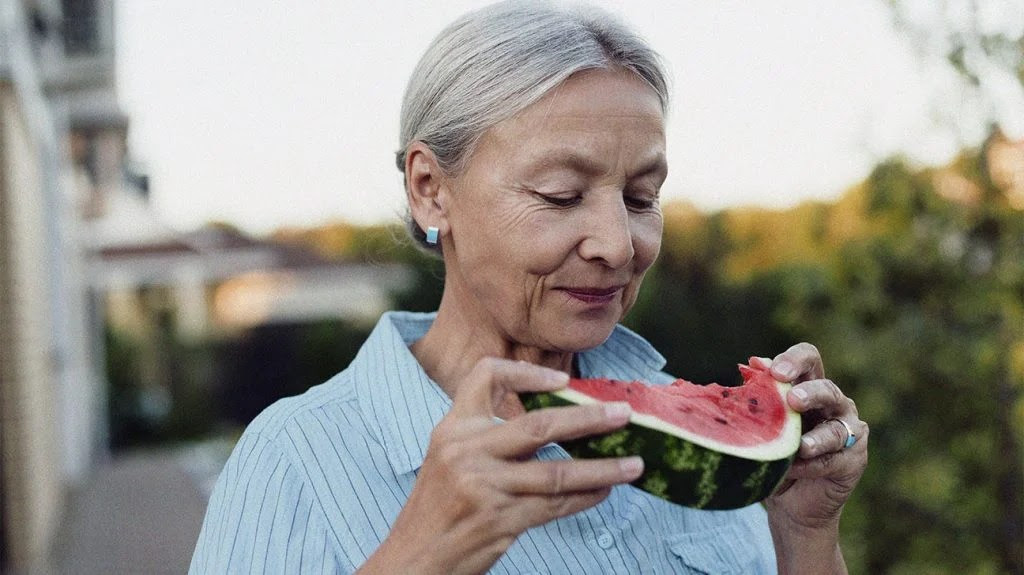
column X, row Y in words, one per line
column 613, row 154
column 560, row 198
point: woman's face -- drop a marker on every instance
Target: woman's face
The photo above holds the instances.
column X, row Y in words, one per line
column 555, row 219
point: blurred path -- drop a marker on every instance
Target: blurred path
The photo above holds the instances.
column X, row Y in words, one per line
column 139, row 513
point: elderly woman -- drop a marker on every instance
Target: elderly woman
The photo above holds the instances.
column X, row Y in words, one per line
column 533, row 148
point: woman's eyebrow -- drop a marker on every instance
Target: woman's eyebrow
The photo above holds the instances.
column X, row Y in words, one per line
column 655, row 166
column 579, row 163
column 568, row 159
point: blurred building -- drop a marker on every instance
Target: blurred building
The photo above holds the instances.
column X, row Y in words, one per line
column 218, row 280
column 61, row 145
column 175, row 303
column 82, row 255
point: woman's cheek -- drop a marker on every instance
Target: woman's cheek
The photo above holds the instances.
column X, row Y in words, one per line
column 544, row 252
column 648, row 243
column 630, row 295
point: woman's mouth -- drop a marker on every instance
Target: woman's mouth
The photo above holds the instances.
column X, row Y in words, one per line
column 593, row 295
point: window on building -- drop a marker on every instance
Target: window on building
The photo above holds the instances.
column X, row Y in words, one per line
column 81, row 27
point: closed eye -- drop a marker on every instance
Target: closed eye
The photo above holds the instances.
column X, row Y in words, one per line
column 640, row 201
column 562, row 202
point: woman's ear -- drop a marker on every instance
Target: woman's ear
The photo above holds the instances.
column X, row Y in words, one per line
column 426, row 187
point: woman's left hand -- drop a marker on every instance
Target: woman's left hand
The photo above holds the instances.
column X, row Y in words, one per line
column 810, row 498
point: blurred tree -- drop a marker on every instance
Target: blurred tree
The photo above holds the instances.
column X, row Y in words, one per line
column 332, row 240
column 700, row 320
column 983, row 42
column 912, row 286
column 272, row 361
column 920, row 327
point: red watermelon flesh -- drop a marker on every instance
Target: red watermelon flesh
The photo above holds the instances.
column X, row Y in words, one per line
column 747, row 415
column 704, row 446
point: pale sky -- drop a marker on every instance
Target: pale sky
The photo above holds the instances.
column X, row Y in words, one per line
column 268, row 113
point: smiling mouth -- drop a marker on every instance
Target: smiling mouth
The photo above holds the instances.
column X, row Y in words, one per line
column 593, row 294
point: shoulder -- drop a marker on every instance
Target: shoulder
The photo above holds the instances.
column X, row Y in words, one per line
column 338, row 402
column 264, row 515
column 322, row 434
column 331, row 400
column 265, row 508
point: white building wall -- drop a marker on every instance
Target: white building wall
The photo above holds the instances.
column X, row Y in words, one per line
column 32, row 478
column 49, row 395
column 82, row 397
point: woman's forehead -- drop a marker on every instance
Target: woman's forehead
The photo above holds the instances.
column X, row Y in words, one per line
column 629, row 146
column 588, row 104
column 607, row 93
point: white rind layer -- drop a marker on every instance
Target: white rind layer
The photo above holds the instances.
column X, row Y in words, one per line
column 781, row 447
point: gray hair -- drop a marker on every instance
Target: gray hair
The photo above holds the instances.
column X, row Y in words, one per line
column 494, row 62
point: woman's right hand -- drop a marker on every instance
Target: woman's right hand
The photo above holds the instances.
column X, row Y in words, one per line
column 480, row 488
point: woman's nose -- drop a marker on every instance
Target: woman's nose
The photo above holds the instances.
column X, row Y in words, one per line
column 607, row 234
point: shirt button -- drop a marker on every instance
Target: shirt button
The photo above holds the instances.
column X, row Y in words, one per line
column 605, row 539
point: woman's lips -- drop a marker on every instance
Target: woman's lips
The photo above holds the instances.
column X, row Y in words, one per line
column 593, row 295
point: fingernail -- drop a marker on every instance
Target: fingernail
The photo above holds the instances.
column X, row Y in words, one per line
column 786, row 369
column 558, row 377
column 631, row 466
column 617, row 411
column 808, row 441
column 800, row 393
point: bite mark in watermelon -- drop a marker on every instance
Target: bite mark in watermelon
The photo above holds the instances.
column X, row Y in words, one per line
column 704, row 446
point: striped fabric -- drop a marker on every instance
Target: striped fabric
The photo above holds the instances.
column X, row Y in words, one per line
column 316, row 481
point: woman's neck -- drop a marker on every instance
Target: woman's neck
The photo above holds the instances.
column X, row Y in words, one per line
column 458, row 339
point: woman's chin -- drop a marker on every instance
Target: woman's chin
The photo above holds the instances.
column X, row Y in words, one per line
column 581, row 336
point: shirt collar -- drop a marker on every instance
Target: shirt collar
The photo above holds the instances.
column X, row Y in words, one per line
column 624, row 356
column 402, row 405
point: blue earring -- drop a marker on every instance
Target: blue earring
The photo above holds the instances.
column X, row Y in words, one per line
column 432, row 235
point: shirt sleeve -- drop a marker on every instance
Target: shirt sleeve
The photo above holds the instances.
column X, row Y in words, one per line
column 263, row 517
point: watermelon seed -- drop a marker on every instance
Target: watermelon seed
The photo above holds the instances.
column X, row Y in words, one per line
column 722, row 421
column 753, row 401
column 725, row 393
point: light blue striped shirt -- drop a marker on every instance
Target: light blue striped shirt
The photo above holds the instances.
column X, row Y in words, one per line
column 316, row 481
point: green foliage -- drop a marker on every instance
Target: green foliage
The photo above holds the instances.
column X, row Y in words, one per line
column 143, row 409
column 917, row 314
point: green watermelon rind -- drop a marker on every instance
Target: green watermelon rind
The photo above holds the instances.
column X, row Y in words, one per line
column 683, row 467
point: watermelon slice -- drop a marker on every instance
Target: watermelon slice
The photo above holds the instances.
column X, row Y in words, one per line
column 704, row 446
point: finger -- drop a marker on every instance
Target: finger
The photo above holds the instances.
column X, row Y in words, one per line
column 823, row 396
column 848, row 464
column 541, row 509
column 529, row 432
column 492, row 378
column 798, row 363
column 830, row 436
column 571, row 475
